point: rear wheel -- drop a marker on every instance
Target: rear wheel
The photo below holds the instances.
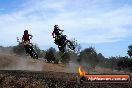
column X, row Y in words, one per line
column 35, row 55
column 28, row 50
column 32, row 52
column 61, row 48
column 61, row 45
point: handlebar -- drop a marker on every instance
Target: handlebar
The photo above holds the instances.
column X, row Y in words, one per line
column 31, row 36
column 61, row 32
column 18, row 40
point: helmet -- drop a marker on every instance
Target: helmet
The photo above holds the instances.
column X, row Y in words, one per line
column 56, row 26
column 26, row 32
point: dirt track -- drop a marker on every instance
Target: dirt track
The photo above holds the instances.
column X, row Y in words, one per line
column 33, row 79
column 17, row 72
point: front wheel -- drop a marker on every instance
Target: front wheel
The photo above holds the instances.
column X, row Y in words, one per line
column 34, row 54
column 70, row 44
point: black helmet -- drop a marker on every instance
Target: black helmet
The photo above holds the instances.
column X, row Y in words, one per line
column 26, row 32
column 56, row 26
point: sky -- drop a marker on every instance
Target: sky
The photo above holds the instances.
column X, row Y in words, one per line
column 102, row 24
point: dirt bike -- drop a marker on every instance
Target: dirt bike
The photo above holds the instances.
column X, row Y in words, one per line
column 29, row 48
column 63, row 42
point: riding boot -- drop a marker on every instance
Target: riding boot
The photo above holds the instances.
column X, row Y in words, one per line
column 56, row 42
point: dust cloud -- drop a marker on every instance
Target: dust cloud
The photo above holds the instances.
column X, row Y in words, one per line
column 13, row 62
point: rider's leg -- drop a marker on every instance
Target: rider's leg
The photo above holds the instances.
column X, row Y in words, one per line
column 26, row 49
column 56, row 41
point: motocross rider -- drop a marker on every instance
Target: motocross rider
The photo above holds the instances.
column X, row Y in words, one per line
column 26, row 40
column 56, row 33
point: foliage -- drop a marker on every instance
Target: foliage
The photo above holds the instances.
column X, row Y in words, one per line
column 40, row 52
column 89, row 55
column 65, row 58
column 19, row 49
column 129, row 52
column 125, row 63
column 49, row 56
column 77, row 46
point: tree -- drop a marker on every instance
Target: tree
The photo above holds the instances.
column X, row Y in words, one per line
column 39, row 52
column 49, row 56
column 65, row 58
column 77, row 46
column 112, row 62
column 125, row 63
column 129, row 52
column 88, row 52
column 19, row 49
column 101, row 59
column 89, row 56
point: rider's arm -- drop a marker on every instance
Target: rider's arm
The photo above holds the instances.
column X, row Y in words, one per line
column 30, row 36
column 61, row 30
column 53, row 34
column 22, row 39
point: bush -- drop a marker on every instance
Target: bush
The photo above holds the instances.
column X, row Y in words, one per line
column 19, row 49
column 65, row 58
column 49, row 56
column 89, row 56
column 39, row 52
column 56, row 61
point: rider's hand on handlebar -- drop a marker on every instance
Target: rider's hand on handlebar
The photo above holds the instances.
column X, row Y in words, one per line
column 20, row 42
column 31, row 37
